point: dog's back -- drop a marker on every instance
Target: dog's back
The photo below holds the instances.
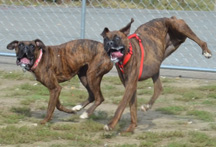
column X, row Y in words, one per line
column 68, row 58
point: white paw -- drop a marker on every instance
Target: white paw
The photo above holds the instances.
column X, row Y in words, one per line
column 77, row 108
column 207, row 55
column 107, row 128
column 145, row 108
column 84, row 115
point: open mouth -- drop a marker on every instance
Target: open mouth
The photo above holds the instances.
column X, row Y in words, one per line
column 24, row 62
column 116, row 54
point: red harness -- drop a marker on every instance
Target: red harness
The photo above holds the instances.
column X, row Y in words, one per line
column 128, row 55
column 38, row 60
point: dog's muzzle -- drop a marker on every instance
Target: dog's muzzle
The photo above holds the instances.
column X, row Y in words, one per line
column 116, row 54
column 24, row 62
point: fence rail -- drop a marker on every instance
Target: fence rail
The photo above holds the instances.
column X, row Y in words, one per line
column 58, row 21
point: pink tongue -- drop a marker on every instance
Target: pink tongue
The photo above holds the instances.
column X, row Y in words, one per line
column 25, row 61
column 117, row 54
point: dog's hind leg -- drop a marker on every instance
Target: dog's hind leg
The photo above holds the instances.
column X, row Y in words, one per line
column 157, row 90
column 180, row 27
column 60, row 107
column 94, row 85
column 83, row 78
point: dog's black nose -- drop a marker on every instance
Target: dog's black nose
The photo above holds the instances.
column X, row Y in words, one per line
column 110, row 43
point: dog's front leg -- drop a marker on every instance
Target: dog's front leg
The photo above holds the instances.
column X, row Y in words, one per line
column 54, row 95
column 130, row 91
column 133, row 112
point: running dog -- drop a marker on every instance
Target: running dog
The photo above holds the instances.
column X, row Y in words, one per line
column 52, row 65
column 139, row 56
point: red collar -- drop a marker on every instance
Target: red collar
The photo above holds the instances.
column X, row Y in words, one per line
column 38, row 60
column 127, row 57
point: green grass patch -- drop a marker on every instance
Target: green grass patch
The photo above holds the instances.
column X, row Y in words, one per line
column 202, row 115
column 201, row 139
column 174, row 110
column 113, row 80
column 15, row 115
column 15, row 75
column 209, row 102
column 99, row 115
column 126, row 145
column 176, row 139
column 212, row 126
column 76, row 132
column 190, row 95
column 209, row 90
column 153, row 138
column 11, row 118
column 27, row 90
column 22, row 111
column 178, row 144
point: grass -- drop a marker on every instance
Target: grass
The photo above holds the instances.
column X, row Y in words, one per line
column 151, row 139
column 174, row 110
column 22, row 111
column 27, row 135
column 18, row 119
column 15, row 75
column 175, row 139
column 201, row 139
column 195, row 5
column 202, row 115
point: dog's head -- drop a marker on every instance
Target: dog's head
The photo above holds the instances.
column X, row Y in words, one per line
column 116, row 43
column 26, row 52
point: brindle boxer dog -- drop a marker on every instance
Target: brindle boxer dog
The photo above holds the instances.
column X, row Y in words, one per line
column 52, row 65
column 159, row 38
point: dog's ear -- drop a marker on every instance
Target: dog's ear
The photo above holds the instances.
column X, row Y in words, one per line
column 126, row 29
column 40, row 44
column 103, row 34
column 12, row 45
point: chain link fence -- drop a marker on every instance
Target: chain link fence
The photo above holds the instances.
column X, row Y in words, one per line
column 59, row 21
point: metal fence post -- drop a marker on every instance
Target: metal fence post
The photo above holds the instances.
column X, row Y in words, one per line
column 83, row 14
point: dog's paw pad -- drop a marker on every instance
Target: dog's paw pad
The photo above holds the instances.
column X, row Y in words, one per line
column 77, row 108
column 107, row 128
column 84, row 115
column 207, row 55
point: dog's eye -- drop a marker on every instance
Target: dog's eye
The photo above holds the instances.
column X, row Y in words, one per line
column 117, row 39
column 21, row 45
column 106, row 39
column 31, row 46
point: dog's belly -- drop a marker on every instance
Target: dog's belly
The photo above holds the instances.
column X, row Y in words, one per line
column 63, row 78
column 149, row 70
